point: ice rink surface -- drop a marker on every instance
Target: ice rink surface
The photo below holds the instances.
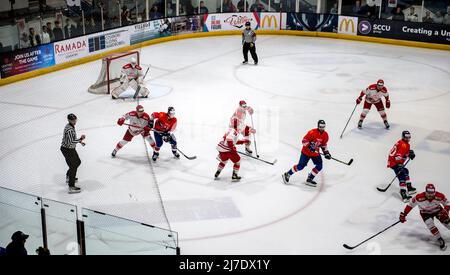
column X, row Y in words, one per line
column 298, row 81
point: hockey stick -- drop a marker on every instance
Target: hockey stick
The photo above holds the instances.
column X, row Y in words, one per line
column 343, row 162
column 348, row 120
column 189, row 158
column 265, row 161
column 139, row 86
column 254, row 138
column 389, row 185
column 352, row 247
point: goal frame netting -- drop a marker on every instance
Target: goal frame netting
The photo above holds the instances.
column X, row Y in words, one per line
column 110, row 72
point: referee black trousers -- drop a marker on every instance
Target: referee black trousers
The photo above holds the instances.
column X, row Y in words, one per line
column 246, row 47
column 73, row 161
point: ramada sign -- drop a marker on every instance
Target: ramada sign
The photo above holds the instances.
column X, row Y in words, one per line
column 70, row 47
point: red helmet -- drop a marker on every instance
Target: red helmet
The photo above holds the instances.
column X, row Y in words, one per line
column 139, row 108
column 430, row 189
column 380, row 82
column 243, row 103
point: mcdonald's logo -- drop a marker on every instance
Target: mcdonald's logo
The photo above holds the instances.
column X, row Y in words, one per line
column 269, row 19
column 348, row 25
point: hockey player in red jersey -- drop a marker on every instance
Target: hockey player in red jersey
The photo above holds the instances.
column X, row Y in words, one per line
column 227, row 151
column 373, row 95
column 432, row 205
column 396, row 161
column 139, row 121
column 313, row 140
column 164, row 124
column 132, row 76
column 237, row 121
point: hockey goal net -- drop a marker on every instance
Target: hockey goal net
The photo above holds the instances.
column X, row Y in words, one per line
column 111, row 71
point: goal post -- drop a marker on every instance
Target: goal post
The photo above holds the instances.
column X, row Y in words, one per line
column 111, row 71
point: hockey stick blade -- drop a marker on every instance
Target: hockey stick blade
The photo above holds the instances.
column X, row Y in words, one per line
column 265, row 161
column 189, row 158
column 349, row 247
column 383, row 190
column 350, row 162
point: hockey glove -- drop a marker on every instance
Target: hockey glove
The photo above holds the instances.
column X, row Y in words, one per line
column 166, row 138
column 121, row 121
column 358, row 100
column 402, row 217
column 312, row 146
column 388, row 104
column 412, row 155
column 327, row 155
column 147, row 129
column 150, row 123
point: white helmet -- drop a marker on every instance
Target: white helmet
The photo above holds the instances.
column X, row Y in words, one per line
column 133, row 61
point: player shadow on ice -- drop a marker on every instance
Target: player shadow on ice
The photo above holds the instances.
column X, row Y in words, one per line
column 85, row 184
column 373, row 130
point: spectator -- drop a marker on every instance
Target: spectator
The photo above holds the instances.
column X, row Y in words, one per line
column 334, row 9
column 412, row 15
column 78, row 30
column 58, row 32
column 69, row 29
column 447, row 17
column 438, row 19
column 45, row 36
column 241, row 7
column 203, row 8
column 228, row 6
column 24, row 41
column 427, row 18
column 34, row 38
column 398, row 14
column 17, row 246
column 50, row 31
column 357, row 8
column 42, row 251
column 91, row 26
column 257, row 6
column 125, row 15
column 170, row 11
column 154, row 14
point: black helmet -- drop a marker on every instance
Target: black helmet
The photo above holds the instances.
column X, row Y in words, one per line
column 247, row 23
column 406, row 135
column 321, row 124
column 71, row 117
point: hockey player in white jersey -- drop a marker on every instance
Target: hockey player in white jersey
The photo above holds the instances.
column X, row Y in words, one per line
column 237, row 122
column 132, row 76
column 138, row 125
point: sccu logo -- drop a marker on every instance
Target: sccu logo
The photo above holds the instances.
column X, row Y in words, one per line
column 377, row 27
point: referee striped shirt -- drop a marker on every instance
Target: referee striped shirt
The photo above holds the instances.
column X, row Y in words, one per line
column 69, row 139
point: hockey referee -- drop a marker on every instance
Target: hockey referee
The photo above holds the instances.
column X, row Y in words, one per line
column 68, row 145
column 248, row 43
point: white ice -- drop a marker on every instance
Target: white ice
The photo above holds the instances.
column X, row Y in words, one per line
column 298, row 81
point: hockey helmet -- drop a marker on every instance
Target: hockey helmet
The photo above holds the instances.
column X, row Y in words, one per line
column 406, row 135
column 133, row 61
column 242, row 103
column 321, row 124
column 380, row 83
column 247, row 24
column 430, row 190
column 71, row 117
column 171, row 111
column 139, row 108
